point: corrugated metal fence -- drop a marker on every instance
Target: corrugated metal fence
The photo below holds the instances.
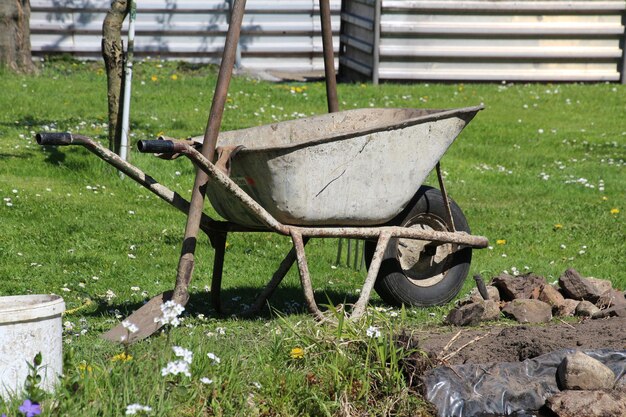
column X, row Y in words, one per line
column 491, row 40
column 278, row 34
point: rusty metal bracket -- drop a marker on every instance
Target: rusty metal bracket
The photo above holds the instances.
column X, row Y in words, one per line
column 444, row 194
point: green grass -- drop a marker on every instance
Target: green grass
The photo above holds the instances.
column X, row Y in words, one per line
column 527, row 171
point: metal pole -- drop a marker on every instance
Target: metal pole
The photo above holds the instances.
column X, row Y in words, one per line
column 186, row 262
column 329, row 57
column 128, row 76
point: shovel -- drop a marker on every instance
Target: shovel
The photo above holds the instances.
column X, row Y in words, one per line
column 146, row 317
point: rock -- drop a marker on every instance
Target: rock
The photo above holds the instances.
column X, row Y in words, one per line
column 610, row 312
column 528, row 311
column 578, row 371
column 588, row 404
column 586, row 309
column 475, row 297
column 611, row 298
column 519, row 287
column 568, row 308
column 466, row 315
column 552, row 296
column 602, row 286
column 575, row 286
column 492, row 310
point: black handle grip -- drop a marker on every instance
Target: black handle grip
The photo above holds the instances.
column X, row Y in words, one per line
column 54, row 138
column 156, row 146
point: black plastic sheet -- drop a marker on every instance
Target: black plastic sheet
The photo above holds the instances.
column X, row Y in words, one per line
column 506, row 388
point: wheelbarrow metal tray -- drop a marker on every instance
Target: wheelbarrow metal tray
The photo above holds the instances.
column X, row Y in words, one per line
column 352, row 168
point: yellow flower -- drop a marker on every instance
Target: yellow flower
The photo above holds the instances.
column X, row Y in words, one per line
column 604, row 198
column 297, row 353
column 122, row 357
column 174, row 77
column 614, row 210
column 557, row 226
column 84, row 368
column 501, row 242
column 154, row 78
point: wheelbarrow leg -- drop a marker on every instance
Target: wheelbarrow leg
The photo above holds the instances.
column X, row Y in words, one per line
column 372, row 274
column 218, row 241
column 277, row 278
column 305, row 277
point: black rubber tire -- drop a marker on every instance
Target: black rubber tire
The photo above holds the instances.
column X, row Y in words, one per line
column 422, row 283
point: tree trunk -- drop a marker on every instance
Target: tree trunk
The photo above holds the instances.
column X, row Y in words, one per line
column 15, row 51
column 113, row 54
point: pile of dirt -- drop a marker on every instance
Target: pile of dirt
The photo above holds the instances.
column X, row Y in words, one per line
column 488, row 345
column 511, row 343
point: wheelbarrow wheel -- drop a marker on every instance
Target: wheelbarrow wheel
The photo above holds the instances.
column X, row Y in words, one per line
column 415, row 273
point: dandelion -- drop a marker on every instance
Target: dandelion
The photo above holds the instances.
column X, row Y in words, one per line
column 174, row 77
column 154, row 78
column 501, row 242
column 133, row 409
column 297, row 353
column 213, row 357
column 557, row 226
column 29, row 408
column 373, row 332
column 614, row 211
column 84, row 368
column 122, row 357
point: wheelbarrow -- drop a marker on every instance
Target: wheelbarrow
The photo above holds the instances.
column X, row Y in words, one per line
column 355, row 174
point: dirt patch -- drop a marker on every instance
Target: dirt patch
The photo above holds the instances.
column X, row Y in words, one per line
column 520, row 342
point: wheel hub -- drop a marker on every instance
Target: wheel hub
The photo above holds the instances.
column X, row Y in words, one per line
column 424, row 264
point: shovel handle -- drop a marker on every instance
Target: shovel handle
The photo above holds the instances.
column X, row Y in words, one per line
column 54, row 138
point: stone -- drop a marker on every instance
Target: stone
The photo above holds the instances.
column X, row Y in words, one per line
column 568, row 308
column 602, row 286
column 552, row 296
column 466, row 315
column 576, row 287
column 586, row 309
column 588, row 404
column 578, row 371
column 610, row 312
column 612, row 298
column 528, row 311
column 475, row 297
column 492, row 310
column 518, row 287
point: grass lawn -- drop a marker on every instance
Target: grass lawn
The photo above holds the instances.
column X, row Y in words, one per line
column 540, row 172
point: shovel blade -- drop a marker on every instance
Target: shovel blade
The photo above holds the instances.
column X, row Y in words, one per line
column 143, row 318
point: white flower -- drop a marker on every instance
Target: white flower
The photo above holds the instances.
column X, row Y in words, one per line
column 110, row 295
column 206, row 380
column 372, row 332
column 137, row 408
column 181, row 352
column 257, row 385
column 213, row 357
column 175, row 368
column 171, row 310
column 131, row 327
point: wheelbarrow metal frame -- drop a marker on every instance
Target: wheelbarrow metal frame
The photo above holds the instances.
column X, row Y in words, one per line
column 217, row 230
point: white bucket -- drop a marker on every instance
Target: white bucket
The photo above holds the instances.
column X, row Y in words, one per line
column 30, row 324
